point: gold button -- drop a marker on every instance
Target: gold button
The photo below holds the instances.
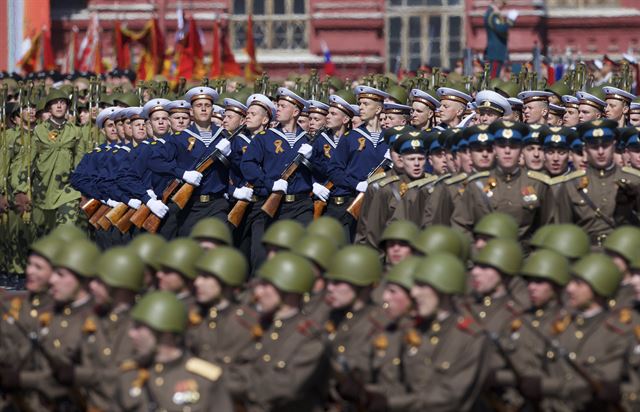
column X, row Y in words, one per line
column 396, row 361
column 539, row 312
column 535, row 323
column 113, row 317
column 281, row 364
column 572, row 355
column 579, row 334
column 580, row 320
column 33, row 313
column 341, row 349
column 107, row 351
column 226, row 359
column 445, row 365
column 266, row 357
column 213, row 313
column 274, row 336
column 277, row 323
column 345, row 328
column 436, row 327
column 67, row 311
column 591, row 359
column 482, row 314
column 434, row 340
column 159, row 381
column 159, row 367
column 212, row 325
column 56, row 343
column 349, row 315
column 258, row 346
column 64, row 323
column 550, row 354
column 36, row 301
column 486, row 301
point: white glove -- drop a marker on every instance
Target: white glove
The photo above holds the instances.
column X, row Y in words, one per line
column 243, row 193
column 305, row 150
column 192, row 177
column 152, row 194
column 112, row 203
column 157, row 207
column 134, row 203
column 387, row 154
column 512, row 15
column 104, row 202
column 321, row 192
column 224, row 146
column 280, row 185
column 362, row 186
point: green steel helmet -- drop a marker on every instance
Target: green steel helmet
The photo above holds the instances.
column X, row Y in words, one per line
column 288, row 272
column 599, row 271
column 148, row 247
column 624, row 241
column 211, row 228
column 356, row 264
column 47, row 247
column 180, row 255
column 442, row 271
column 225, row 263
column 328, row 227
column 501, row 254
column 635, row 264
column 398, row 93
column 128, row 99
column 560, row 88
column 56, row 94
column 121, row 267
column 508, row 89
column 283, row 234
column 539, row 236
column 570, row 240
column 438, row 238
column 337, row 84
column 402, row 272
column 79, row 256
column 399, row 230
column 161, row 311
column 67, row 233
column 548, row 265
column 497, row 225
column 318, row 249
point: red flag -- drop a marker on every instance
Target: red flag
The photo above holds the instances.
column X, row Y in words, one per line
column 123, row 57
column 71, row 58
column 223, row 62
column 252, row 68
column 153, row 56
column 189, row 54
column 89, row 46
column 48, row 61
column 329, row 67
column 29, row 60
column 216, row 64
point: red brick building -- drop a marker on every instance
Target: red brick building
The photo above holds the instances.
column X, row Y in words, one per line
column 368, row 35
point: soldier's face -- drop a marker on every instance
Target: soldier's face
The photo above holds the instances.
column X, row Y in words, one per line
column 336, row 119
column 231, row 121
column 554, row 120
column 139, row 130
column 634, row 156
column 120, row 129
column 179, row 121
column 507, row 154
column 100, row 292
column 484, row 279
column 579, row 293
column 535, row 112
column 600, row 155
column 394, row 119
column 634, row 281
column 615, row 109
column 340, row 294
column 465, row 161
column 84, row 117
column 634, row 119
column 267, row 297
column 579, row 160
column 571, row 117
column 58, row 108
column 159, row 122
column 556, row 160
column 438, row 160
column 588, row 113
column 208, row 288
column 202, row 109
column 396, row 251
column 126, row 125
column 533, row 157
column 450, row 111
column 37, row 273
column 420, row 115
column 110, row 130
column 482, row 157
column 397, row 301
column 426, row 299
column 64, row 285
column 369, row 109
column 413, row 165
column 257, row 117
column 144, row 340
column 540, row 292
column 303, row 122
column 316, row 122
column 170, row 281
column 29, row 114
column 487, row 116
column 285, row 111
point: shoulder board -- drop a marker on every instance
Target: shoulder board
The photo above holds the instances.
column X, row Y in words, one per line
column 262, row 132
column 478, row 175
column 346, row 133
column 154, row 142
column 631, row 170
column 203, row 368
column 388, row 179
column 376, row 177
column 97, row 149
column 89, row 326
column 576, row 174
column 539, row 176
column 128, row 365
column 456, row 179
column 125, row 148
column 557, row 179
column 468, row 325
column 194, row 318
column 176, row 133
column 309, row 328
column 422, row 182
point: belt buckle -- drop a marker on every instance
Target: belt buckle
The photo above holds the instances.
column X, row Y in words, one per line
column 205, row 198
column 339, row 200
column 289, row 198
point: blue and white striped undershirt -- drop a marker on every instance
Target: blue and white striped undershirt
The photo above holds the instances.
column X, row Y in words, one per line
column 290, row 137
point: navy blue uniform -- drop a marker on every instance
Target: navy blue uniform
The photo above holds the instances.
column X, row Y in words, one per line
column 323, row 148
column 82, row 178
column 239, row 146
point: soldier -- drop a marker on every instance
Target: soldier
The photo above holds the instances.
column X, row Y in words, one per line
column 631, row 388
column 497, row 26
column 601, row 197
column 211, row 233
column 439, row 239
column 282, row 235
column 164, row 375
column 618, row 102
column 328, row 227
column 396, row 115
column 621, row 246
column 235, row 113
column 532, row 153
column 179, row 115
column 148, row 247
column 555, row 143
column 496, row 225
column 287, row 369
column 318, row 112
column 177, row 271
column 591, row 105
column 453, row 103
column 631, row 137
column 491, row 106
column 536, row 106
column 556, row 115
column 571, row 116
column 423, row 109
column 569, row 240
column 634, row 112
column 396, row 240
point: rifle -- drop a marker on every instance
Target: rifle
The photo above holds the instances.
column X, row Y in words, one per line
column 26, row 216
column 271, row 205
column 99, row 214
column 238, row 211
column 143, row 216
column 90, row 207
column 356, row 205
column 183, row 194
column 124, row 223
column 115, row 214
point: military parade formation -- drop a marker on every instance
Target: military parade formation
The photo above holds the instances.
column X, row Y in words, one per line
column 440, row 243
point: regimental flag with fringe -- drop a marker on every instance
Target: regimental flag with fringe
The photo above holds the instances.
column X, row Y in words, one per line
column 252, row 69
column 223, row 62
column 152, row 41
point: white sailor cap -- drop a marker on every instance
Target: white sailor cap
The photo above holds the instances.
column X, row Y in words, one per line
column 105, row 114
column 529, row 96
column 264, row 102
column 591, row 100
column 316, row 106
column 395, row 108
column 118, row 114
column 235, row 106
column 154, row 105
column 286, row 94
column 447, row 93
column 490, row 100
column 356, row 109
column 342, row 105
column 134, row 113
column 418, row 95
column 570, row 101
column 515, row 103
column 634, row 108
column 366, row 92
column 556, row 110
column 177, row 106
column 618, row 94
column 201, row 92
column 218, row 111
column 471, row 106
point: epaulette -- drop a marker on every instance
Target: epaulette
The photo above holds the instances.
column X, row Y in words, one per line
column 574, row 175
column 557, row 179
column 631, row 170
column 89, row 326
column 478, row 175
column 516, row 324
column 376, row 177
column 97, row 149
column 468, row 325
column 262, row 132
column 541, row 177
column 456, row 179
column 388, row 179
column 561, row 324
column 44, row 319
column 194, row 318
column 309, row 328
column 128, row 365
column 203, row 368
column 346, row 133
column 422, row 182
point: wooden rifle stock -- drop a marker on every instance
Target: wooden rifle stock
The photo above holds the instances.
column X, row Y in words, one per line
column 115, row 214
column 144, row 213
column 272, row 203
column 182, row 196
column 102, row 210
column 320, row 205
column 104, row 223
column 238, row 211
column 140, row 215
column 90, row 207
column 356, row 206
column 152, row 223
column 124, row 223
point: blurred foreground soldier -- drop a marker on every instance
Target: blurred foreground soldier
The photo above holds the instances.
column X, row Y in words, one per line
column 287, row 369
column 282, row 235
column 396, row 241
column 567, row 239
column 210, row 233
column 177, row 271
column 496, row 225
column 604, row 195
column 631, row 388
column 163, row 375
column 328, row 227
column 148, row 247
column 622, row 246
